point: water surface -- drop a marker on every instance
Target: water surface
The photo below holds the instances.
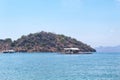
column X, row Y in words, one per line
column 55, row 66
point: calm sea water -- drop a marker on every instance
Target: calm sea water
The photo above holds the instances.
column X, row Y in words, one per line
column 53, row 66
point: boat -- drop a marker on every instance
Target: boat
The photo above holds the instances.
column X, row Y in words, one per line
column 8, row 51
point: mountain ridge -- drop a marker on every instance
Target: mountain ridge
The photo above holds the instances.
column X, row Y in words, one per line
column 108, row 49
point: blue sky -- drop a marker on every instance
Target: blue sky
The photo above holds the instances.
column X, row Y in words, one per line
column 95, row 22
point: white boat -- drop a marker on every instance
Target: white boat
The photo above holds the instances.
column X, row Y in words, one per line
column 8, row 51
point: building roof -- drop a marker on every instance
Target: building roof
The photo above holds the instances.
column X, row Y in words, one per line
column 71, row 48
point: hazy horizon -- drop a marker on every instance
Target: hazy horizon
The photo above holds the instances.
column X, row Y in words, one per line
column 95, row 23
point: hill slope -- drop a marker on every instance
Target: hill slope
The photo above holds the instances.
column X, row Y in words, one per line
column 47, row 42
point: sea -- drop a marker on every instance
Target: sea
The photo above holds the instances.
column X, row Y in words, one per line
column 56, row 66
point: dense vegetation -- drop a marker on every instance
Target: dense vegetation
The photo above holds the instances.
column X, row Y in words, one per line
column 5, row 44
column 44, row 42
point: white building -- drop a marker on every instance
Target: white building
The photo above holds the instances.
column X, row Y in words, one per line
column 71, row 50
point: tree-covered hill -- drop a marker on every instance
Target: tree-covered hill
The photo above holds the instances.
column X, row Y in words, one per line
column 44, row 42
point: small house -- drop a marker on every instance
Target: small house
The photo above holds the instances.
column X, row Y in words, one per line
column 71, row 50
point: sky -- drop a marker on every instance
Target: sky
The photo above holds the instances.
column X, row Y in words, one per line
column 94, row 22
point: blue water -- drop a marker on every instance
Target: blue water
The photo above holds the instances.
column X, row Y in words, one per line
column 53, row 66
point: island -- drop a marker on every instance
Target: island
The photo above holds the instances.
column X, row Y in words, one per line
column 45, row 42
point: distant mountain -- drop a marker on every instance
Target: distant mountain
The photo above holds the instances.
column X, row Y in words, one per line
column 108, row 49
column 44, row 42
